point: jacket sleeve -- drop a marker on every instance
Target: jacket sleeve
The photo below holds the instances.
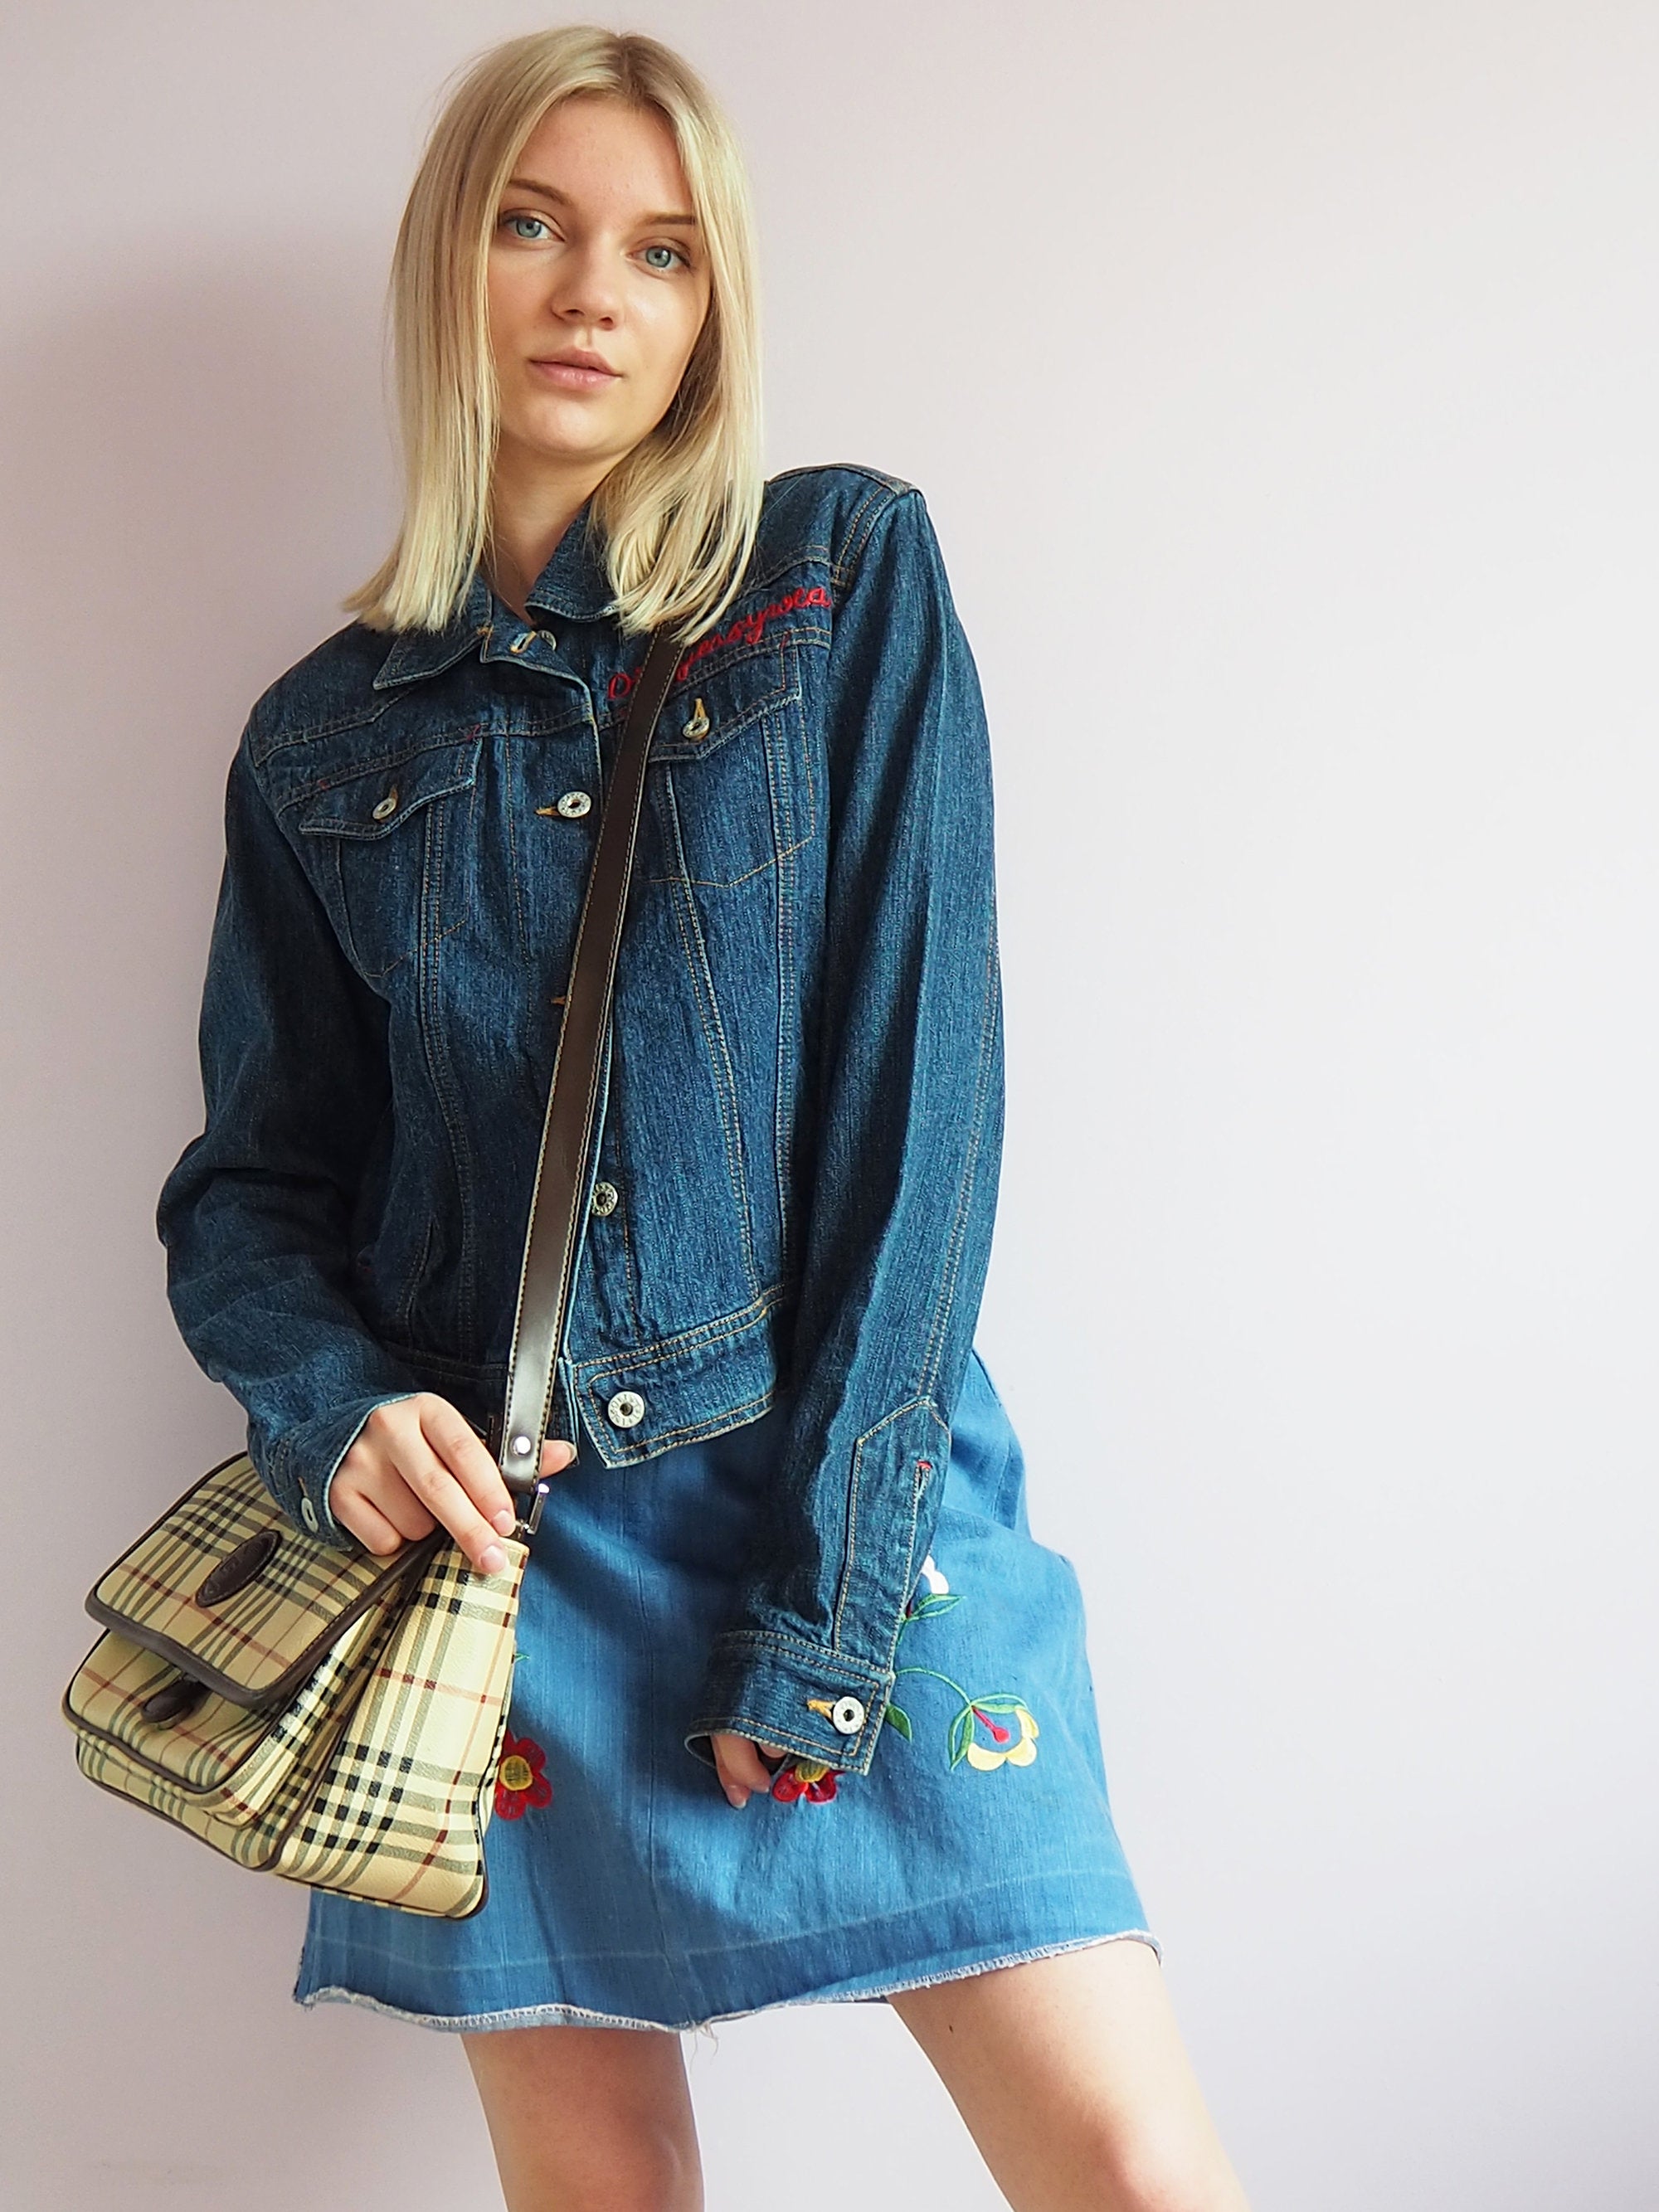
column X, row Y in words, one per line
column 256, row 1216
column 909, row 1114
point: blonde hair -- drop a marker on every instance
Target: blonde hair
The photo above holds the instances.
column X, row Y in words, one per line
column 679, row 513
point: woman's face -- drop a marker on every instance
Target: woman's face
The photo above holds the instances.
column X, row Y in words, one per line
column 595, row 248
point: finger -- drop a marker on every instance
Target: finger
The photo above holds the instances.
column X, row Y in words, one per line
column 369, row 1526
column 443, row 1498
column 740, row 1766
column 467, row 1459
column 556, row 1455
column 385, row 1491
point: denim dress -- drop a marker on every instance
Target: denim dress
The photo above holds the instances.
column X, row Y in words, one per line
column 625, row 1891
column 798, row 1511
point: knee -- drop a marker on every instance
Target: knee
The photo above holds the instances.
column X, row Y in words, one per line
column 1153, row 2171
column 656, row 2173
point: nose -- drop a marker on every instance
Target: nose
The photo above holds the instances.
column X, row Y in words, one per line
column 584, row 288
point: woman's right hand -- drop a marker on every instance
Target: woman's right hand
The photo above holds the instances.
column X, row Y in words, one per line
column 418, row 1462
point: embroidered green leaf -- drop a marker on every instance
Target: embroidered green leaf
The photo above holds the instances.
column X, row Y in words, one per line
column 962, row 1735
column 896, row 1717
column 932, row 1603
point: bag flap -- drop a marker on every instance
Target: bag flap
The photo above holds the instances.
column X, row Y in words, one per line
column 227, row 1589
column 167, row 1725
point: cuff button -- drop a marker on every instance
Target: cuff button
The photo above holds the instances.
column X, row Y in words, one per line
column 308, row 1515
column 847, row 1714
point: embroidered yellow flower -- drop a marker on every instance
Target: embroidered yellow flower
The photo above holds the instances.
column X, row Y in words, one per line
column 1018, row 1754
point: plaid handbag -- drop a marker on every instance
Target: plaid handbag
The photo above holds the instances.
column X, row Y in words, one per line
column 323, row 1714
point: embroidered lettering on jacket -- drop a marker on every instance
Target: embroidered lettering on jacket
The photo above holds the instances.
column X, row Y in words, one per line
column 747, row 629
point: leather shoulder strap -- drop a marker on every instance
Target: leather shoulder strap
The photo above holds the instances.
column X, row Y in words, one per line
column 552, row 1240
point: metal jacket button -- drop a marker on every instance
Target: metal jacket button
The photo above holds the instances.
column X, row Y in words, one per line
column 387, row 805
column 605, row 1198
column 308, row 1515
column 847, row 1714
column 573, row 804
column 625, row 1408
column 698, row 725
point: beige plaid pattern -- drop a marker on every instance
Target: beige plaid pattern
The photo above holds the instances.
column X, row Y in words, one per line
column 261, row 1644
column 230, row 1760
column 375, row 1778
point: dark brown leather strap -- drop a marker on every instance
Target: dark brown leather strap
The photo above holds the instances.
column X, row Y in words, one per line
column 552, row 1239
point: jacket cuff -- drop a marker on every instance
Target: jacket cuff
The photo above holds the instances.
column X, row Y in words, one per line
column 302, row 1464
column 816, row 1704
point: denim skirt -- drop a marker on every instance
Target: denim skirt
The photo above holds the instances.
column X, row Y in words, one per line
column 626, row 1891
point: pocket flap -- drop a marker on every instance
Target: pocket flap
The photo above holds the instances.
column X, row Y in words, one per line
column 700, row 716
column 372, row 802
column 252, row 1638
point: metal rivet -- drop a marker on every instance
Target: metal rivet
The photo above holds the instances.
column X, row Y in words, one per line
column 387, row 805
column 625, row 1409
column 605, row 1198
column 847, row 1714
column 698, row 725
column 573, row 804
column 521, row 1447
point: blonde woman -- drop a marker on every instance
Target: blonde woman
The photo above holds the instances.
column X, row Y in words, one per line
column 802, row 1711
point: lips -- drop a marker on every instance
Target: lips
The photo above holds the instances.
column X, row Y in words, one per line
column 575, row 357
column 576, row 372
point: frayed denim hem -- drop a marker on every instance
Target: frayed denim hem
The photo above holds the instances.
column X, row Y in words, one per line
column 562, row 2016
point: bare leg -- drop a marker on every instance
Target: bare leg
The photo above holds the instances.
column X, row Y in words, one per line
column 1070, row 2075
column 589, row 2119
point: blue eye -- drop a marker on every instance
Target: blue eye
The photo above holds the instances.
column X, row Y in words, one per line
column 675, row 250
column 524, row 218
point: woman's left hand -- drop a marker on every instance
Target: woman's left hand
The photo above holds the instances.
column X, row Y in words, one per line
column 736, row 1758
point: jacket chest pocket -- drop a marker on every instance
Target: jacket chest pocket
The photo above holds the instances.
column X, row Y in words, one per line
column 393, row 851
column 730, row 780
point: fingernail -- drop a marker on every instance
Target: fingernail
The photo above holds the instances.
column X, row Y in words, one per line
column 504, row 1522
column 491, row 1559
column 739, row 1797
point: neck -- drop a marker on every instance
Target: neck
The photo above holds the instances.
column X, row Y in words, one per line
column 532, row 503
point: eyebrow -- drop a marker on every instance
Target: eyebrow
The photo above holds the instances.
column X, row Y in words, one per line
column 563, row 199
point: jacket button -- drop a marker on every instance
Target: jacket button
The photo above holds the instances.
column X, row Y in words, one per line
column 525, row 637
column 625, row 1408
column 387, row 805
column 308, row 1515
column 847, row 1714
column 575, row 804
column 605, row 1198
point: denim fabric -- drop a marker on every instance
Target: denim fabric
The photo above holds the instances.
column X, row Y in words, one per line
column 624, row 1892
column 801, row 1111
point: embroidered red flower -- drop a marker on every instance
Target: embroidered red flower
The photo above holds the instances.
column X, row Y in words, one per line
column 520, row 1781
column 804, row 1778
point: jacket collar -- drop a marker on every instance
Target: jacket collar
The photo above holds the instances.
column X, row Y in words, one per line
column 574, row 586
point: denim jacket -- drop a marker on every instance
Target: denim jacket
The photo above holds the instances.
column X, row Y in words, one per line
column 794, row 1174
